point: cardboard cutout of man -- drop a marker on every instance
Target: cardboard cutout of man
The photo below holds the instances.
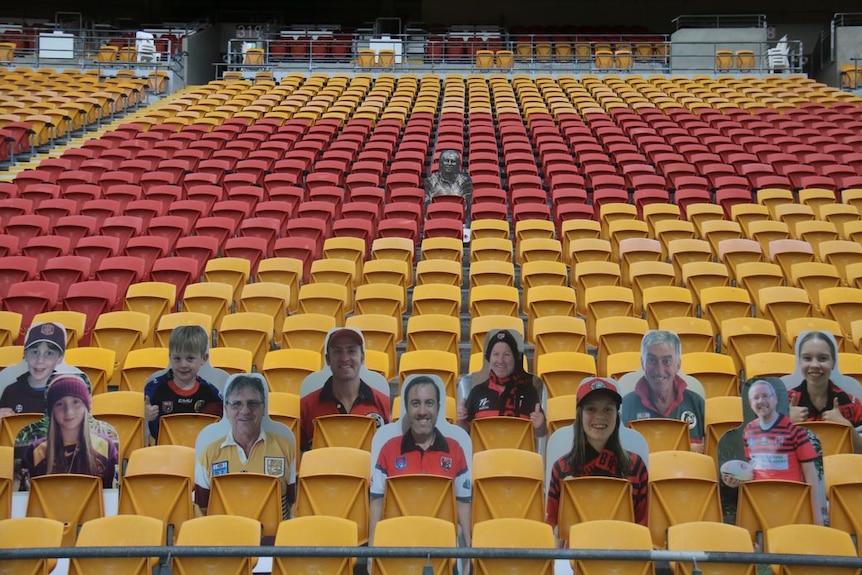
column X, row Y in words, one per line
column 246, row 440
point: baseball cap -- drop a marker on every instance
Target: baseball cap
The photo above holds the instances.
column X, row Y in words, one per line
column 53, row 333
column 605, row 385
column 351, row 333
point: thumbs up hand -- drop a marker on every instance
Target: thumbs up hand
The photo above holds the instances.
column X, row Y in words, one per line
column 835, row 415
column 797, row 414
column 151, row 412
column 461, row 413
column 537, row 418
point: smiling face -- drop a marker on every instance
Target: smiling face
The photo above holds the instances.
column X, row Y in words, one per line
column 245, row 412
column 185, row 366
column 449, row 163
column 599, row 419
column 661, row 365
column 422, row 408
column 345, row 358
column 42, row 359
column 816, row 362
column 763, row 401
column 501, row 360
column 68, row 413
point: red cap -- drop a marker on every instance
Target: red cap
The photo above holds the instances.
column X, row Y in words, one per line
column 599, row 384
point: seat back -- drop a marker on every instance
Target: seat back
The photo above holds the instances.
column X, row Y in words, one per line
column 769, row 503
column 683, row 487
column 502, row 431
column 710, row 536
column 663, row 434
column 254, row 495
column 843, row 475
column 611, row 534
column 834, row 437
column 507, row 483
column 334, row 481
column 344, row 430
column 26, row 532
column 419, row 494
column 217, row 530
column 72, row 499
column 158, row 483
column 315, row 531
column 810, row 540
column 414, row 531
column 579, row 494
column 515, row 533
column 124, row 410
column 183, row 428
column 118, row 531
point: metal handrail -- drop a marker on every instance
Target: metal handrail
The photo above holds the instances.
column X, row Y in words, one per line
column 434, row 552
column 720, row 21
column 847, row 19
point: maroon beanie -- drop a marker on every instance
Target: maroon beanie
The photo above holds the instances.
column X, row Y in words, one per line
column 65, row 385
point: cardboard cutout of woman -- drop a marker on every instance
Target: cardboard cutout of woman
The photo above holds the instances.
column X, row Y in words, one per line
column 818, row 391
column 502, row 387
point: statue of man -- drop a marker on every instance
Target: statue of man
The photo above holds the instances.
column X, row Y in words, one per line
column 449, row 180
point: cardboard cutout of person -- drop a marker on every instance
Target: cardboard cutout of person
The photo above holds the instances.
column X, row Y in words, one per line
column 423, row 441
column 23, row 384
column 344, row 385
column 771, row 444
column 246, row 440
column 69, row 439
column 503, row 387
column 818, row 391
column 660, row 389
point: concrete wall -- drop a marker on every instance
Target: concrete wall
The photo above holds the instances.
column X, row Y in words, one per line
column 693, row 49
column 203, row 49
column 848, row 44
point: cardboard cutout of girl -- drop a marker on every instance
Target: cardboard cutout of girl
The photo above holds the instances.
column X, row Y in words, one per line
column 69, row 439
column 818, row 391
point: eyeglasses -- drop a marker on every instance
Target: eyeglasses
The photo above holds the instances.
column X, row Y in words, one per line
column 253, row 405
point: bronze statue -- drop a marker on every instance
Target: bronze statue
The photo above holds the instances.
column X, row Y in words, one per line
column 449, row 180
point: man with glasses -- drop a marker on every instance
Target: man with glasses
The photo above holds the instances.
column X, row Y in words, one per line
column 247, row 448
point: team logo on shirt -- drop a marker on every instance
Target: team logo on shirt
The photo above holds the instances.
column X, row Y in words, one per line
column 167, row 407
column 484, row 404
column 219, row 468
column 377, row 418
column 400, row 462
column 19, row 408
column 445, row 463
column 690, row 418
column 199, row 405
column 274, row 466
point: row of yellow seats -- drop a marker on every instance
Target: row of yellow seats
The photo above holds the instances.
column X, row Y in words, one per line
column 225, row 531
column 516, row 493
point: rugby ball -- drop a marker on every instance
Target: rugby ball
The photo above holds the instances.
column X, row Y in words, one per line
column 740, row 470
